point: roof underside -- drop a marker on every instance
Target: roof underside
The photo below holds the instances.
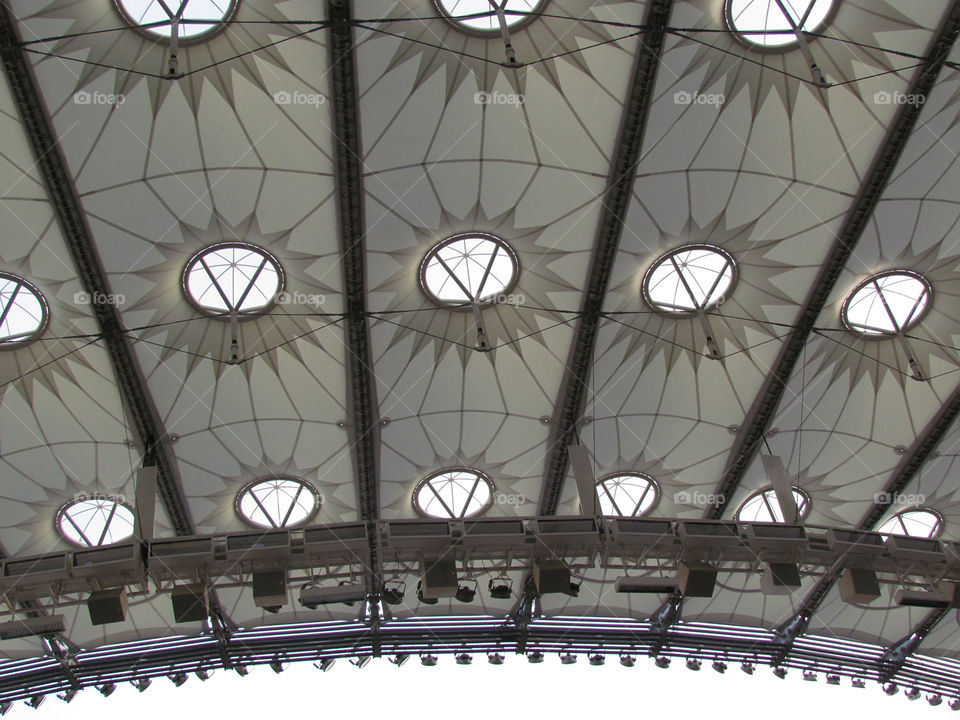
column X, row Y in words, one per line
column 624, row 130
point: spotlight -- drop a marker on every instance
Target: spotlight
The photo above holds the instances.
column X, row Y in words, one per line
column 693, row 664
column 428, row 660
column 203, row 673
column 325, row 664
column 276, row 665
column 178, row 679
column 747, row 668
column 68, row 695
column 36, row 701
column 421, row 598
column 496, row 659
column 809, row 676
column 141, row 684
column 858, row 683
column 891, row 689
column 242, row 670
column 361, row 662
column 662, row 662
column 912, row 694
column 108, row 689
column 463, row 658
column 780, row 672
column 272, row 609
column 720, row 667
column 934, row 699
column 5, row 707
column 500, row 588
column 393, row 592
column 628, row 660
column 568, row 658
column 596, row 659
column 953, row 703
column 535, row 657
column 833, row 679
column 465, row 593
column 400, row 660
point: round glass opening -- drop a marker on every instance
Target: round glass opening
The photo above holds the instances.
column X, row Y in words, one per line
column 887, row 304
column 233, row 277
column 914, row 523
column 764, row 507
column 627, row 495
column 23, row 311
column 96, row 520
column 469, row 268
column 197, row 17
column 481, row 15
column 278, row 502
column 455, row 493
column 690, row 279
column 763, row 23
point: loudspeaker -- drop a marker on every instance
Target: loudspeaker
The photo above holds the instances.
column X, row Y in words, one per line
column 858, row 586
column 438, row 579
column 190, row 603
column 107, row 606
column 697, row 579
column 551, row 576
column 270, row 589
column 780, row 579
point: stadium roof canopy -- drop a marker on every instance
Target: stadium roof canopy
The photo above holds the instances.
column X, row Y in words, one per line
column 362, row 300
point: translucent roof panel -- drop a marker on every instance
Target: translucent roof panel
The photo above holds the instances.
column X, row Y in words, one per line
column 468, row 268
column 233, row 276
column 627, row 495
column 480, row 15
column 763, row 506
column 94, row 521
column 689, row 279
column 147, row 12
column 887, row 304
column 914, row 523
column 278, row 502
column 454, row 493
column 23, row 311
column 763, row 22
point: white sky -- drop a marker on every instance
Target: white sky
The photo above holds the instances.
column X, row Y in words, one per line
column 515, row 689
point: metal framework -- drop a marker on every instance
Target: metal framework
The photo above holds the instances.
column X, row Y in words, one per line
column 616, row 199
column 73, row 223
column 362, row 429
column 752, row 431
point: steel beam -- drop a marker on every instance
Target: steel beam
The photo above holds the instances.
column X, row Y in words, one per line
column 616, row 202
column 752, row 431
column 79, row 240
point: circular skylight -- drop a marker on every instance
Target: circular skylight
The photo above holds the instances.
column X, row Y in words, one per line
column 763, row 506
column 690, row 279
column 914, row 523
column 233, row 276
column 887, row 304
column 626, row 494
column 277, row 502
column 469, row 268
column 481, row 15
column 95, row 520
column 763, row 23
column 23, row 311
column 454, row 493
column 198, row 18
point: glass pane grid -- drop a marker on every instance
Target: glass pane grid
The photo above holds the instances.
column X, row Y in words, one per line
column 22, row 313
column 469, row 269
column 94, row 522
column 764, row 507
column 146, row 12
column 629, row 495
column 278, row 502
column 763, row 22
column 459, row 11
column 454, row 494
column 689, row 280
column 887, row 304
column 233, row 278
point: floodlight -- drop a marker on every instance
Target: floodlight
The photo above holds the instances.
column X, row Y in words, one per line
column 747, row 668
column 500, row 588
column 628, row 660
column 891, row 689
column 178, row 679
column 495, row 659
column 400, row 660
column 935, row 699
column 466, row 592
column 809, row 676
column 912, row 693
column 833, row 679
column 5, row 707
column 276, row 665
column 463, row 658
column 361, row 662
column 203, row 673
column 596, row 659
column 428, row 660
column 535, row 657
column 662, row 662
column 325, row 664
column 780, row 672
column 568, row 658
column 858, row 683
column 954, row 703
column 720, row 667
column 693, row 664
column 141, row 684
column 393, row 592
column 242, row 670
column 108, row 689
column 36, row 701
column 68, row 695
